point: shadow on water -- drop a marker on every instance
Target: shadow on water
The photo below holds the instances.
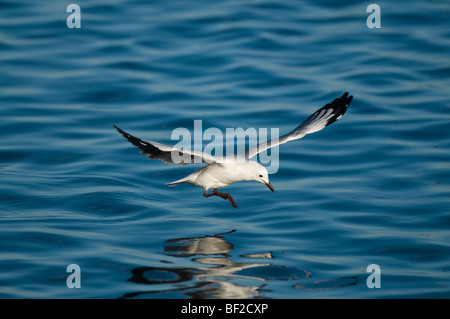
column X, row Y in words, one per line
column 216, row 276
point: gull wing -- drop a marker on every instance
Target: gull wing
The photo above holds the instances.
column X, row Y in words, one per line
column 164, row 152
column 316, row 122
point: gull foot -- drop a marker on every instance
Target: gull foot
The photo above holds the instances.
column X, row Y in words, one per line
column 222, row 195
column 226, row 196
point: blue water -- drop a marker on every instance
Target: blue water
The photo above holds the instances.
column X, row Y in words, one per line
column 372, row 188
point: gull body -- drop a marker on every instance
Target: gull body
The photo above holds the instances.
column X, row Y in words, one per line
column 218, row 175
column 221, row 172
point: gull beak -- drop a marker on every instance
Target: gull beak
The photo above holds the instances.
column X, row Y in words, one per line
column 270, row 186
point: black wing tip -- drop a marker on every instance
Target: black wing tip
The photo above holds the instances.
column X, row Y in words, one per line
column 339, row 106
column 347, row 99
column 119, row 130
column 128, row 136
column 145, row 148
column 344, row 101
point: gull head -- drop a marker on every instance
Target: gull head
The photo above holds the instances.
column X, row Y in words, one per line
column 259, row 173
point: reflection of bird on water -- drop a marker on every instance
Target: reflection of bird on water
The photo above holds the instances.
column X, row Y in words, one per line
column 208, row 245
column 216, row 277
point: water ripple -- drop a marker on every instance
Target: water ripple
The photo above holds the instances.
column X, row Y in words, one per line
column 372, row 188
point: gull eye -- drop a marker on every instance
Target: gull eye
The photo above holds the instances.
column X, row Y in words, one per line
column 260, row 176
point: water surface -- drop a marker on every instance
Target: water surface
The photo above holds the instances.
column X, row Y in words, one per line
column 373, row 188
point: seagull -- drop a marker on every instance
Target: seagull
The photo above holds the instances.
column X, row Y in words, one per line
column 224, row 171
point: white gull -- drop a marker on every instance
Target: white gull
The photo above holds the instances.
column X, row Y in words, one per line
column 224, row 171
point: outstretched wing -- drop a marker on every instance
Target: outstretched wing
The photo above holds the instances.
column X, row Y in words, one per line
column 316, row 122
column 166, row 153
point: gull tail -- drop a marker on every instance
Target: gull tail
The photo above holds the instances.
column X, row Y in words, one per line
column 190, row 179
column 180, row 181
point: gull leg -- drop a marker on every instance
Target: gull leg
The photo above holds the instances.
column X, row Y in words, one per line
column 208, row 195
column 232, row 202
column 221, row 195
column 226, row 196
